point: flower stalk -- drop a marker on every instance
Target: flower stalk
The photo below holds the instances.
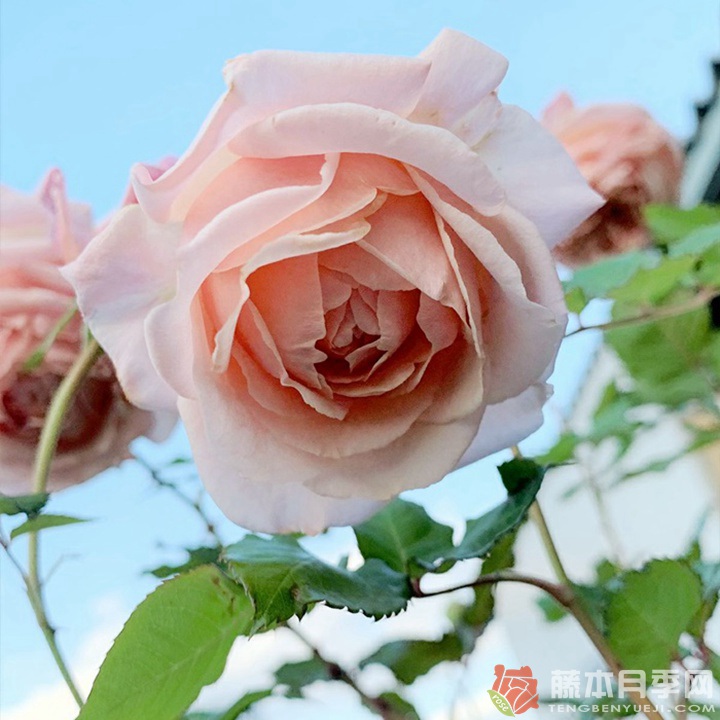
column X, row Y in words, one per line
column 47, row 446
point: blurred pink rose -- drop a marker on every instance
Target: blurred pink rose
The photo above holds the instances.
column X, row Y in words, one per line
column 345, row 284
column 38, row 234
column 629, row 159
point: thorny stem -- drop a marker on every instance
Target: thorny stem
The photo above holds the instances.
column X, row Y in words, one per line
column 565, row 596
column 375, row 704
column 611, row 536
column 577, row 609
column 558, row 592
column 43, row 459
column 698, row 301
column 194, row 504
column 574, row 605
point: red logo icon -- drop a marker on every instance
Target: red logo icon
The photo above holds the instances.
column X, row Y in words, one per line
column 514, row 691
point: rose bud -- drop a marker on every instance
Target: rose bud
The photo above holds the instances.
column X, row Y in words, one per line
column 38, row 234
column 345, row 285
column 626, row 157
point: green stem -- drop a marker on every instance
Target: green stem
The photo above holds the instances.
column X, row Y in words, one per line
column 537, row 516
column 698, row 301
column 56, row 412
column 375, row 704
column 39, row 355
column 43, row 459
column 576, row 608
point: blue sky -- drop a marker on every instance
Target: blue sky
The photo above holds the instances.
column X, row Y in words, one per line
column 94, row 86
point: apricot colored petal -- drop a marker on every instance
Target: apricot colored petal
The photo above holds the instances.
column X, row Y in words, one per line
column 463, row 73
column 120, row 277
column 359, row 129
column 508, row 423
column 539, row 177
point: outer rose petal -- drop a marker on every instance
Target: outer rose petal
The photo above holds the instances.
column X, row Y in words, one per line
column 508, row 423
column 538, row 175
column 265, row 83
column 463, row 74
column 262, row 505
column 141, row 255
column 309, row 130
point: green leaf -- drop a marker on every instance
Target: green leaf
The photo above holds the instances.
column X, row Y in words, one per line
column 651, row 285
column 41, row 522
column 234, row 712
column 410, row 659
column 520, row 473
column 709, row 574
column 175, row 642
column 29, row 504
column 405, row 538
column 576, row 300
column 648, row 614
column 400, row 708
column 669, row 224
column 522, row 478
column 668, row 359
column 563, row 451
column 551, row 609
column 297, row 675
column 471, row 620
column 598, row 279
column 697, row 242
column 196, row 557
column 283, row 579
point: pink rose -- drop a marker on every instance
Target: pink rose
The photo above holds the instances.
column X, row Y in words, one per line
column 38, row 234
column 629, row 159
column 345, row 283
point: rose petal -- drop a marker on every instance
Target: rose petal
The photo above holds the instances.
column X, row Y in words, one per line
column 116, row 305
column 353, row 128
column 538, row 175
column 463, row 73
column 259, row 505
column 508, row 423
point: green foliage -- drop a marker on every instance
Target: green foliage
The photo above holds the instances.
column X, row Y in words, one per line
column 471, row 620
column 600, row 278
column 410, row 659
column 296, row 675
column 175, row 642
column 196, row 557
column 31, row 505
column 651, row 610
column 671, row 360
column 241, row 706
column 709, row 574
column 669, row 224
column 42, row 522
column 399, row 708
column 522, row 478
column 405, row 538
column 283, row 580
column 562, row 452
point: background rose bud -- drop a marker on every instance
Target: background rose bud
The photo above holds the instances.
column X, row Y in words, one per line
column 345, row 284
column 629, row 159
column 38, row 234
